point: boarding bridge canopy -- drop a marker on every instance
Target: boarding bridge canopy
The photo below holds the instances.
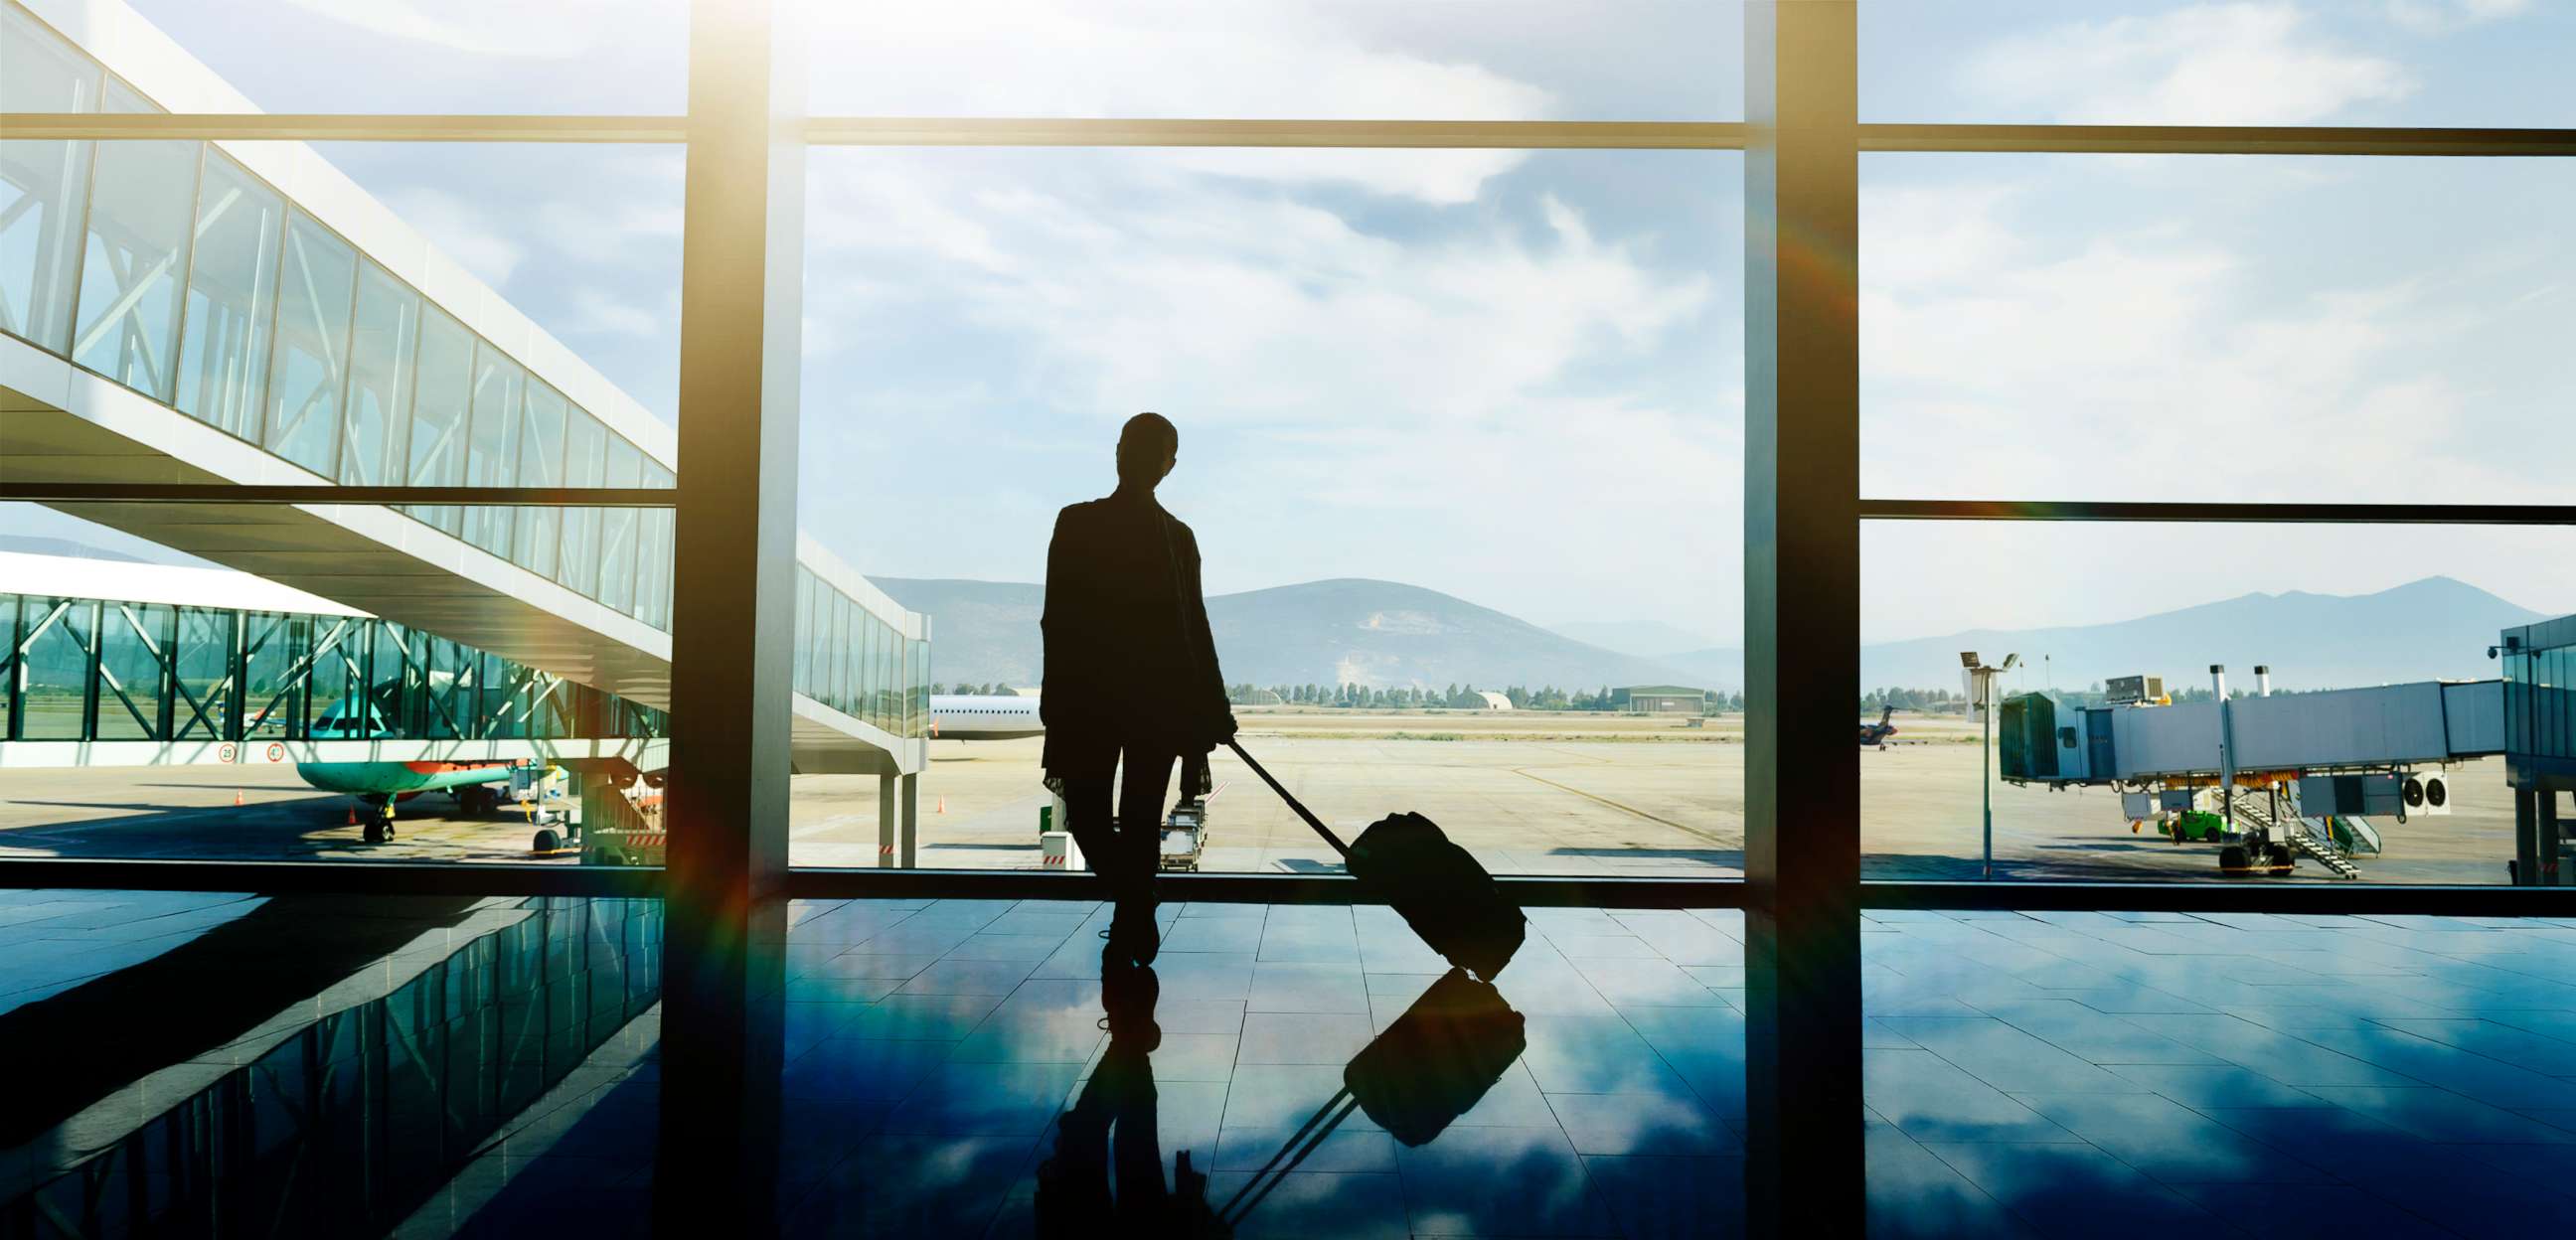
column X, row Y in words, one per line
column 2336, row 730
column 242, row 313
column 178, row 665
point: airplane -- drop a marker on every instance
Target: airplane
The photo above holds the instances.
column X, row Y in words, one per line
column 963, row 717
column 1877, row 733
column 378, row 785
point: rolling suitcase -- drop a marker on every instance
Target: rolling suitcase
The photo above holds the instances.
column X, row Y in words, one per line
column 1404, row 860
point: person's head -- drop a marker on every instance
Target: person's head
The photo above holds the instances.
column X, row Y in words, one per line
column 1147, row 447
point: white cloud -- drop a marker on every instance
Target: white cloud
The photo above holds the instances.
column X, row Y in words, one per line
column 2207, row 64
column 2440, row 16
column 1430, row 407
column 549, row 30
column 596, row 313
column 1155, row 59
column 464, row 229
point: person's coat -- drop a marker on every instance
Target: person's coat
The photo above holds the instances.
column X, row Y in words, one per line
column 1129, row 658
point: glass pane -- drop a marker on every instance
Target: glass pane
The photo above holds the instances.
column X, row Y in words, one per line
column 133, row 638
column 653, row 562
column 336, row 687
column 492, row 459
column 2214, row 328
column 41, row 183
column 139, row 210
column 232, row 299
column 1569, row 339
column 585, row 465
column 54, row 637
column 272, row 680
column 480, row 56
column 441, row 397
column 541, row 441
column 803, row 671
column 2358, row 651
column 386, row 329
column 2172, row 62
column 1492, row 60
column 617, row 529
column 204, row 671
column 305, row 384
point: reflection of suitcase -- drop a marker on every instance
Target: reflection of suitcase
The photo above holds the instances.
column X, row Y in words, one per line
column 1440, row 891
column 1433, row 1065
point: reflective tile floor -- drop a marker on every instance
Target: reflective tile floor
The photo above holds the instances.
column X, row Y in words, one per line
column 330, row 1066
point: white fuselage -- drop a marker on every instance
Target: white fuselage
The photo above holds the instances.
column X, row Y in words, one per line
column 957, row 718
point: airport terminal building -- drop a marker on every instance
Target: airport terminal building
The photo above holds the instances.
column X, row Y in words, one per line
column 447, row 546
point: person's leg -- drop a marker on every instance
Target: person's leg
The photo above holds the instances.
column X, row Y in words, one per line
column 1086, row 816
column 1142, row 797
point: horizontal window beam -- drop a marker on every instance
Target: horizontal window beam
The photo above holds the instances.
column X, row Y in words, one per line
column 2289, row 513
column 305, row 127
column 2248, row 896
column 409, row 878
column 228, row 493
column 2216, row 140
column 404, row 878
column 1183, row 132
column 1444, row 135
column 329, row 877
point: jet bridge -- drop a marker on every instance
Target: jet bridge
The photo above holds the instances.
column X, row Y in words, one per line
column 2272, row 777
column 2341, row 730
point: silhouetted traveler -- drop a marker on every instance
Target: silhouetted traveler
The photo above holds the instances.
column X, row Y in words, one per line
column 1130, row 672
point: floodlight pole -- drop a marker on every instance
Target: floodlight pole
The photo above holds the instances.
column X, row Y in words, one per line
column 1986, row 762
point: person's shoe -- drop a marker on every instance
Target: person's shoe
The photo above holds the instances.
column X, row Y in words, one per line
column 1133, row 934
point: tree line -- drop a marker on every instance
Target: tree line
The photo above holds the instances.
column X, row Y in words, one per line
column 1455, row 697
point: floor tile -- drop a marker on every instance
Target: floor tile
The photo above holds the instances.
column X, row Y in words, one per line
column 1656, row 1198
column 1303, row 1037
column 934, row 1018
column 1912, row 1192
column 984, row 1099
column 948, row 1185
column 1500, row 1182
column 1642, row 1124
column 1931, row 1100
column 1314, row 1204
column 2076, row 1190
column 2170, row 1142
column 952, row 976
column 1307, row 988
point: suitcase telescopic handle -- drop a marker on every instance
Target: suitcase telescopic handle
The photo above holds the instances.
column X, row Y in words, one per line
column 1293, row 802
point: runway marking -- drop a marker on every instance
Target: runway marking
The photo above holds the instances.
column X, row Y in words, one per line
column 1627, row 809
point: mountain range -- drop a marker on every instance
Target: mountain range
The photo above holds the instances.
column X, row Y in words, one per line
column 2435, row 628
column 1349, row 630
column 1384, row 634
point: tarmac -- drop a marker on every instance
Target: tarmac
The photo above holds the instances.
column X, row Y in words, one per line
column 1527, row 793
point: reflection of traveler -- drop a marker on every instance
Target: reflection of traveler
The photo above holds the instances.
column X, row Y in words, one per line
column 1117, row 1115
column 1130, row 672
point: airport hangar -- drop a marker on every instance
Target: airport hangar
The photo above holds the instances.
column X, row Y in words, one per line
column 243, row 313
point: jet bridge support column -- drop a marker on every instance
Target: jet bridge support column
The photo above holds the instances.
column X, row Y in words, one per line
column 909, row 793
column 2527, row 841
column 2553, row 868
column 885, row 820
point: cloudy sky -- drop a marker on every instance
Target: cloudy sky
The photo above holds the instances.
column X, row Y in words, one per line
column 1516, row 376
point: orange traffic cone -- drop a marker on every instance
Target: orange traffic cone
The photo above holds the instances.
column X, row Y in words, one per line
column 237, row 798
column 943, row 806
column 353, row 817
